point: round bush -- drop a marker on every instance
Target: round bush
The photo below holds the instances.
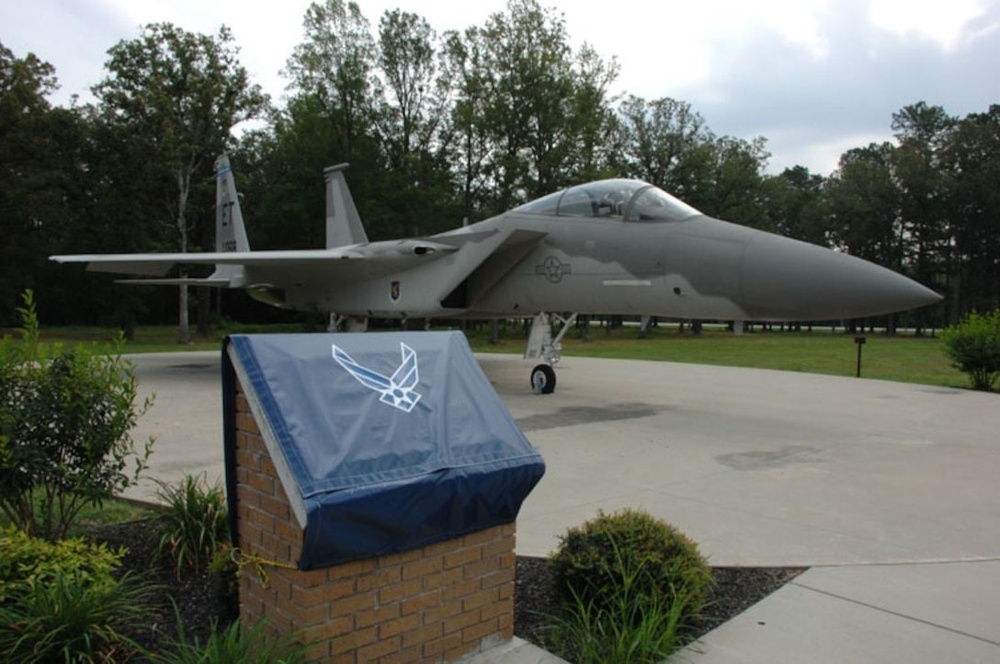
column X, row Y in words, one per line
column 634, row 553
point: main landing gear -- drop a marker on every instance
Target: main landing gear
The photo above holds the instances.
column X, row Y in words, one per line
column 542, row 345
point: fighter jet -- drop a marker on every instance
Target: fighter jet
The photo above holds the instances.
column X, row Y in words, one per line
column 611, row 247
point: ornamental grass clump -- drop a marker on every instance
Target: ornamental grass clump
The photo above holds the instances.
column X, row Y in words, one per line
column 632, row 586
column 196, row 523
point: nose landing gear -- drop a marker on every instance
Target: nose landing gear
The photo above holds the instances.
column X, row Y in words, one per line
column 541, row 345
column 543, row 379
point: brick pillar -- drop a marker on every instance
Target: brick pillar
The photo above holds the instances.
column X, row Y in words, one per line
column 434, row 604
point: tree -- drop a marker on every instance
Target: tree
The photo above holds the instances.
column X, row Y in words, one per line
column 470, row 137
column 863, row 206
column 794, row 205
column 39, row 177
column 181, row 93
column 335, row 62
column 416, row 104
column 530, row 113
column 734, row 189
column 660, row 140
column 339, row 114
column 65, row 418
column 924, row 189
column 971, row 156
column 593, row 118
column 412, row 128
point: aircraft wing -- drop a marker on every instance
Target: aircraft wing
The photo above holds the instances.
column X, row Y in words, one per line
column 377, row 257
column 348, row 264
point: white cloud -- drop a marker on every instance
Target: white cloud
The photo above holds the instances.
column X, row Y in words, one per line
column 943, row 22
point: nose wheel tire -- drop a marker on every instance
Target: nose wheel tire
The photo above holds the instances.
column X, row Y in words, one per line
column 543, row 379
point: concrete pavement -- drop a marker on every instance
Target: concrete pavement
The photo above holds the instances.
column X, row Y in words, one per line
column 886, row 491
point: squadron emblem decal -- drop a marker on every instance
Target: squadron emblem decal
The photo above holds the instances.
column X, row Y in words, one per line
column 396, row 390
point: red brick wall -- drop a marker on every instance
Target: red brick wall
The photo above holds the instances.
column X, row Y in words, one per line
column 433, row 604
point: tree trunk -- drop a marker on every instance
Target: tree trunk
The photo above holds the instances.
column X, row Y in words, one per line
column 183, row 326
column 204, row 310
column 183, row 189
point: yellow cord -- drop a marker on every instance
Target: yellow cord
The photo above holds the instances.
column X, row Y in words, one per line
column 242, row 559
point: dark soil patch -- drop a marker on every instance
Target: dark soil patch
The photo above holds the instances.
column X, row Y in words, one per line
column 736, row 590
column 200, row 602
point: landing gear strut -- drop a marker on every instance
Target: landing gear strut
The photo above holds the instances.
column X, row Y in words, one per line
column 340, row 323
column 541, row 345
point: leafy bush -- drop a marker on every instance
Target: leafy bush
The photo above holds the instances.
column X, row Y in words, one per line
column 60, row 601
column 632, row 552
column 974, row 348
column 235, row 643
column 196, row 523
column 25, row 559
column 65, row 417
column 629, row 625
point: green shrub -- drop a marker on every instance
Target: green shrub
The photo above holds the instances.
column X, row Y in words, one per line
column 65, row 417
column 196, row 523
column 629, row 625
column 974, row 348
column 61, row 601
column 632, row 552
column 235, row 643
column 25, row 559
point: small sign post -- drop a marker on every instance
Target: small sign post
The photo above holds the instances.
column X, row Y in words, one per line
column 860, row 341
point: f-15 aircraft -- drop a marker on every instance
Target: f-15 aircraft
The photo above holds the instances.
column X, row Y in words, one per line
column 612, row 247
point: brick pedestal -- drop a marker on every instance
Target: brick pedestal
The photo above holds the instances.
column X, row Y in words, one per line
column 434, row 604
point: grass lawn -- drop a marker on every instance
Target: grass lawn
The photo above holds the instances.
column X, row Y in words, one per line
column 116, row 510
column 148, row 339
column 902, row 357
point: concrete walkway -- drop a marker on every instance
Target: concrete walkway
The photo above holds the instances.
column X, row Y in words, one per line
column 887, row 491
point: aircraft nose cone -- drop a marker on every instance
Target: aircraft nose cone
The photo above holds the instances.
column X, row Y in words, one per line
column 784, row 279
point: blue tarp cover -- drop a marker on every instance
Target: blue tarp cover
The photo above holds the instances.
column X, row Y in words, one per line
column 384, row 441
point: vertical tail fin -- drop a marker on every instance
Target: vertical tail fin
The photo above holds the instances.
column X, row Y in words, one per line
column 230, row 233
column 343, row 224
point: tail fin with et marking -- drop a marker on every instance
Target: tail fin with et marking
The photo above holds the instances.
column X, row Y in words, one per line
column 230, row 232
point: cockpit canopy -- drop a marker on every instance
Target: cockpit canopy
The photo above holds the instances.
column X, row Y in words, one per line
column 629, row 200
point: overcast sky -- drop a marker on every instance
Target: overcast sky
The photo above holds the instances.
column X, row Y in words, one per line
column 815, row 78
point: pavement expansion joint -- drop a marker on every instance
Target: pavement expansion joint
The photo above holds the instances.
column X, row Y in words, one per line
column 897, row 614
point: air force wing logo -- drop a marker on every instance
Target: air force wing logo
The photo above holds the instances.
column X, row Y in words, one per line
column 396, row 390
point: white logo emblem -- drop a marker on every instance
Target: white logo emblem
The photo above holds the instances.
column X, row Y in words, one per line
column 396, row 390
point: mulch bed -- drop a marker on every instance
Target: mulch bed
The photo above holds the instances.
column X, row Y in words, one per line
column 200, row 602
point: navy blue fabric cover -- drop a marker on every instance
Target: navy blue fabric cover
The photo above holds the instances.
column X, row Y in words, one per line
column 392, row 440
